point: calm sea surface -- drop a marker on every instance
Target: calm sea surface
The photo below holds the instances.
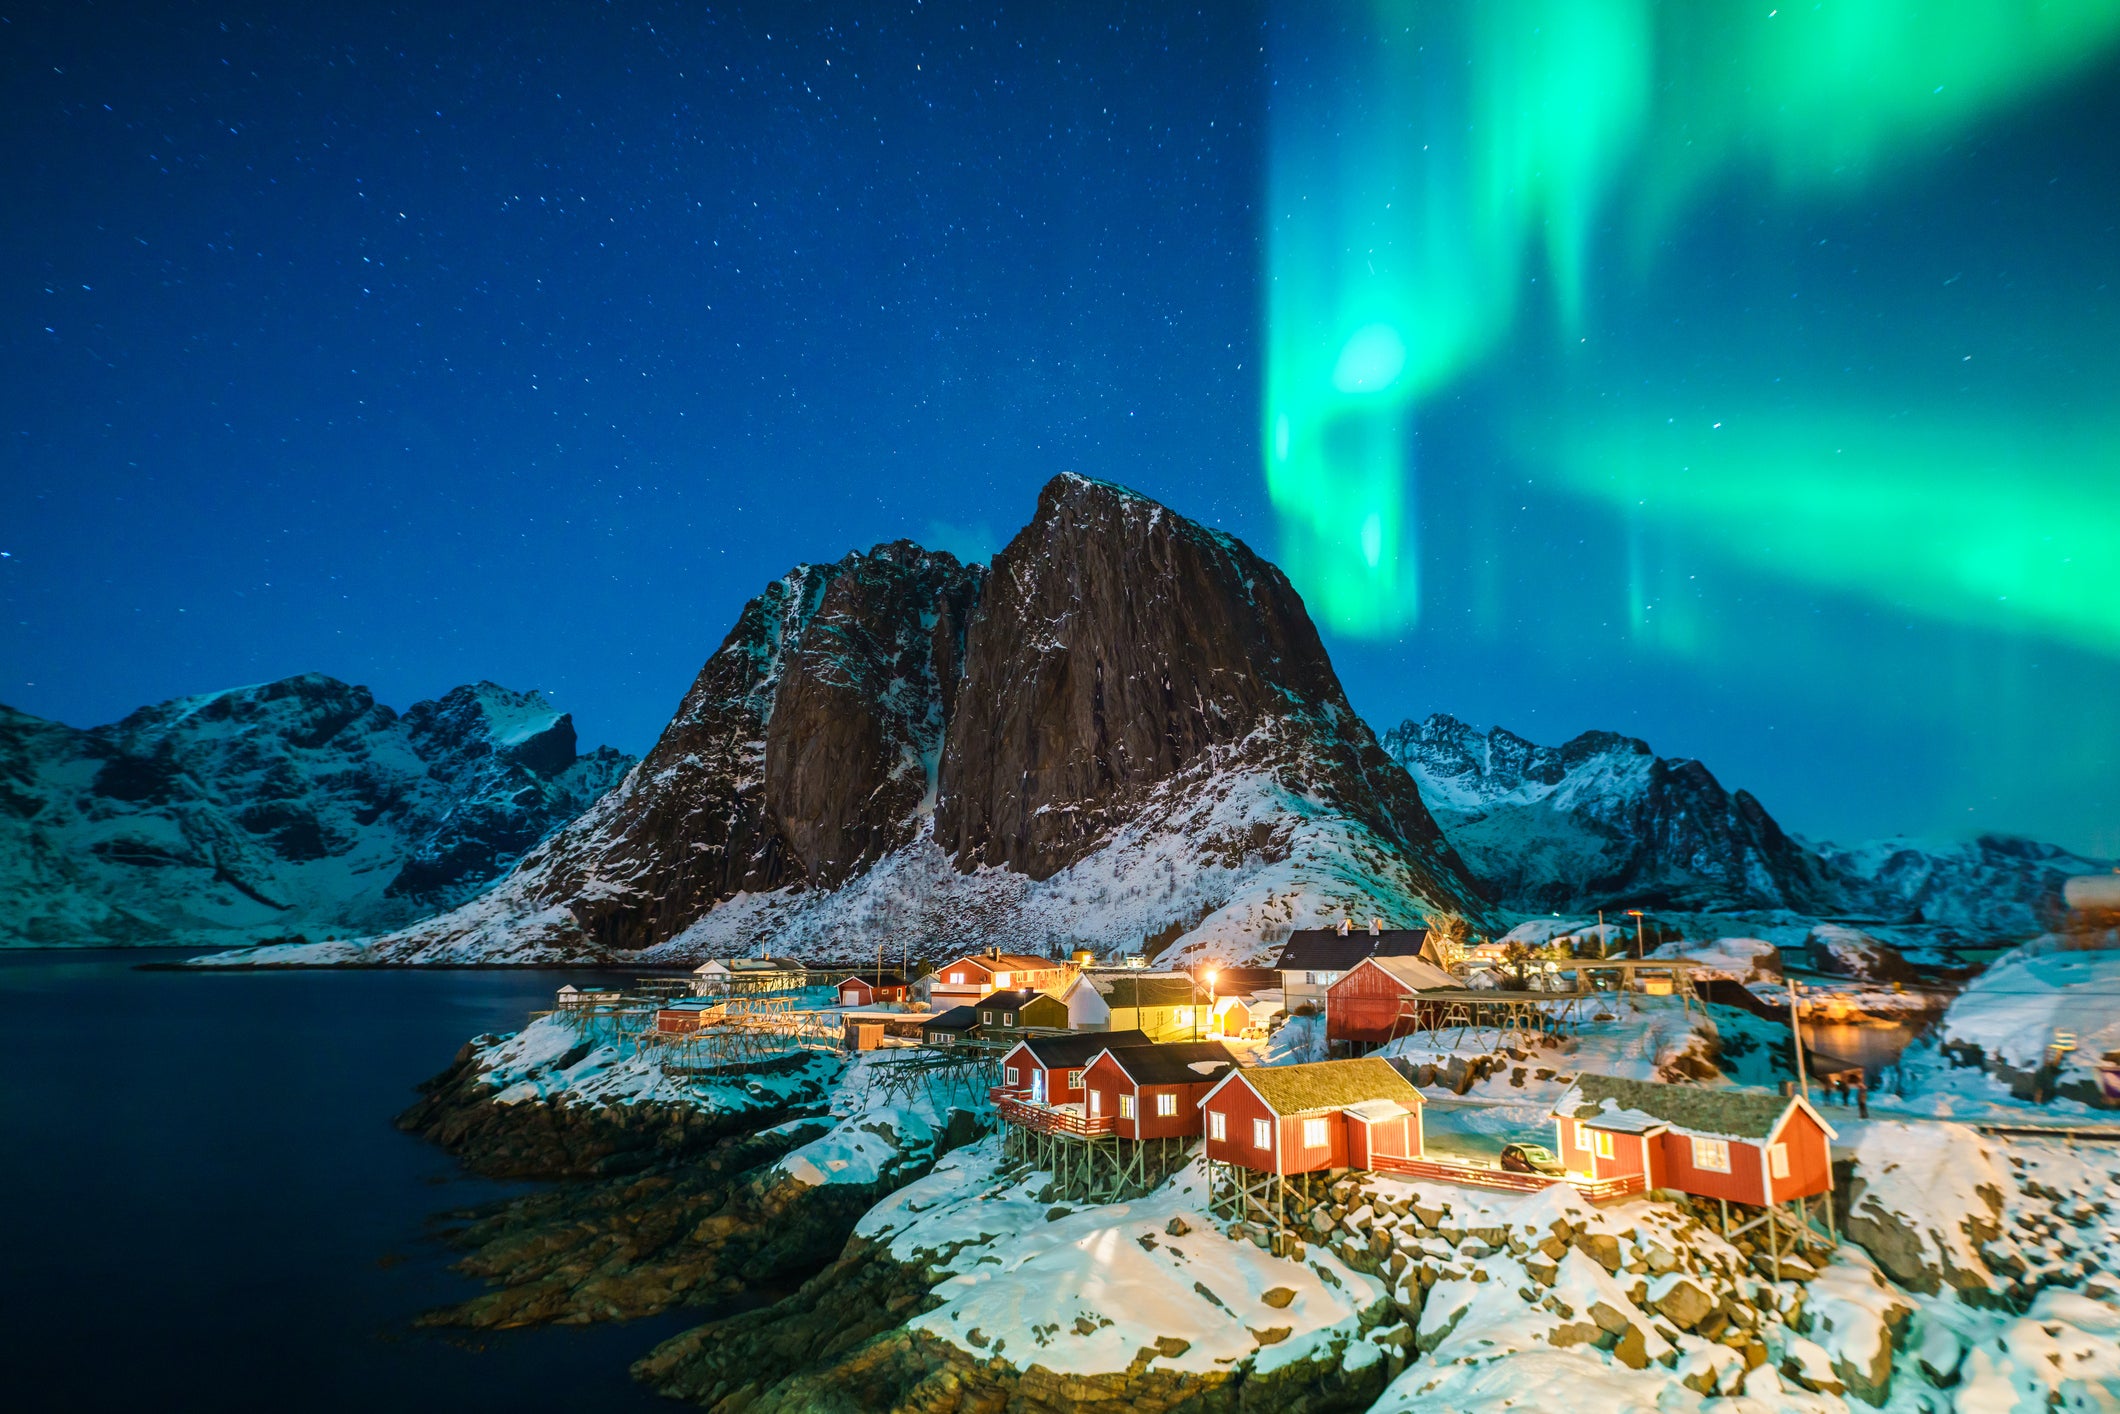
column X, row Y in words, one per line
column 207, row 1207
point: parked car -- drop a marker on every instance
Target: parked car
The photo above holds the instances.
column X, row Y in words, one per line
column 1531, row 1158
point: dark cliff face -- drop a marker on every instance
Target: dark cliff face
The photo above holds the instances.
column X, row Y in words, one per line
column 1118, row 645
column 301, row 806
column 803, row 751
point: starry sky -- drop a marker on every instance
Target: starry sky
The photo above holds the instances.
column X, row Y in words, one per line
column 426, row 344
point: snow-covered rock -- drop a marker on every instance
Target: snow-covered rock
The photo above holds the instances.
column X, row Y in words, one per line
column 2010, row 1017
column 298, row 807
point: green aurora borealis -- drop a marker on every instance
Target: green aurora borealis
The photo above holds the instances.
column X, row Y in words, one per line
column 1436, row 166
column 1730, row 285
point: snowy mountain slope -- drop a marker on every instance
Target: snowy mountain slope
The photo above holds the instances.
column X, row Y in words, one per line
column 1603, row 822
column 295, row 807
column 1128, row 732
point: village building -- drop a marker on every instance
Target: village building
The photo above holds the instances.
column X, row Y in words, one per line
column 874, row 987
column 1162, row 1004
column 1289, row 1119
column 1086, row 1008
column 1021, row 1009
column 720, row 977
column 1378, row 999
column 1153, row 1092
column 1244, row 1016
column 681, row 1018
column 952, row 1027
column 1047, row 1070
column 571, row 996
column 968, row 978
column 1315, row 958
column 1751, row 1147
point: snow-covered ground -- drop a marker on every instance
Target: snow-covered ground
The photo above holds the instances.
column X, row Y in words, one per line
column 552, row 1060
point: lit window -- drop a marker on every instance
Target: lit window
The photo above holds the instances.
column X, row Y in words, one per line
column 1184, row 1015
column 1604, row 1145
column 1313, row 1133
column 1074, row 1080
column 1012, row 1073
column 1166, row 1104
column 1582, row 1135
column 957, row 979
column 1126, row 1107
column 1778, row 1160
column 1711, row 1155
column 1217, row 1125
column 1096, row 1103
column 1000, row 980
column 1262, row 1134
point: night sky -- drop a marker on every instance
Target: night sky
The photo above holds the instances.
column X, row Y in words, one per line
column 1707, row 403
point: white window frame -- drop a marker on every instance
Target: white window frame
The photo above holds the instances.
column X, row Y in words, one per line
column 1582, row 1136
column 1000, row 980
column 1314, row 1135
column 1711, row 1155
column 986, row 1018
column 1074, row 1080
column 1166, row 1104
column 1262, row 1134
column 1604, row 1148
column 1096, row 1103
column 1778, row 1160
column 956, row 979
column 1012, row 1075
column 1218, row 1126
column 1126, row 1106
column 944, row 1038
column 1008, row 1018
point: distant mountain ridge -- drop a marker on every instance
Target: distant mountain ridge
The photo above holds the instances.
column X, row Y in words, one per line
column 1603, row 822
column 300, row 807
column 1126, row 731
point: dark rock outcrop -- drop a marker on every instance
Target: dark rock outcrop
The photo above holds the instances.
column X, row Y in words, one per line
column 1119, row 664
column 300, row 807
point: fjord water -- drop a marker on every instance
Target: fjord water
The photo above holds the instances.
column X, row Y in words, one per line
column 208, row 1207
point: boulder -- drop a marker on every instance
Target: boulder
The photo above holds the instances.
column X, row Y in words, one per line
column 1682, row 1301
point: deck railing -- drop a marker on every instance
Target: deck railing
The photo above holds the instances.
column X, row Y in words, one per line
column 1048, row 1119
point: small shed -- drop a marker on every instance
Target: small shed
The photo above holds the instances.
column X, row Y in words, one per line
column 1376, row 1000
column 948, row 1028
column 681, row 1018
column 864, row 989
column 1022, row 1009
column 1238, row 1016
column 1151, row 1091
column 1047, row 1070
column 1289, row 1119
column 1744, row 1146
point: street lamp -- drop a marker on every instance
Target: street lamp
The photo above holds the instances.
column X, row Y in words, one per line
column 1210, row 1003
column 1638, row 953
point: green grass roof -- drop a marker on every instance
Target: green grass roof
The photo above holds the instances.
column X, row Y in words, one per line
column 1739, row 1114
column 1330, row 1085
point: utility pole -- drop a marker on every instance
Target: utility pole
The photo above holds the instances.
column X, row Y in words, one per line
column 1803, row 1080
column 1639, row 951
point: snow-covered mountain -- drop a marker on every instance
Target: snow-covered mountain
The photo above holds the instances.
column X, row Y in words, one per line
column 299, row 807
column 1603, row 822
column 1126, row 732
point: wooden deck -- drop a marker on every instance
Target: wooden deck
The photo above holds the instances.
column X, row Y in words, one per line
column 1049, row 1119
column 1480, row 1176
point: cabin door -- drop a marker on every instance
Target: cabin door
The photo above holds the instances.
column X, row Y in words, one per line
column 1037, row 1085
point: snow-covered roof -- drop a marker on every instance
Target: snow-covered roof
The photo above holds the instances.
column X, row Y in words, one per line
column 1633, row 1106
column 1323, row 1085
column 1416, row 974
column 1377, row 1111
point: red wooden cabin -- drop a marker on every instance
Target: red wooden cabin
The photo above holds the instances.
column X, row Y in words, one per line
column 1153, row 1091
column 1047, row 1070
column 1746, row 1146
column 1285, row 1119
column 1377, row 999
column 869, row 988
column 687, row 1017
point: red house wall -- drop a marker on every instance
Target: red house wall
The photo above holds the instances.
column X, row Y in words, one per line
column 1631, row 1154
column 1297, row 1159
column 856, row 993
column 1240, row 1106
column 1364, row 1006
column 1056, row 1091
column 677, row 1022
column 1810, row 1159
column 1744, row 1183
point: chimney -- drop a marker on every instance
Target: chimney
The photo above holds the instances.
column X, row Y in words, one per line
column 1376, row 927
column 1346, row 926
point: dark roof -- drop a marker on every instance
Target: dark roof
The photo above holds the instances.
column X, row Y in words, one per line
column 1006, row 962
column 1172, row 1064
column 1076, row 1047
column 1243, row 981
column 892, row 977
column 1015, row 999
column 957, row 1018
column 1124, row 991
column 1330, row 1085
column 1324, row 950
column 1696, row 1109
